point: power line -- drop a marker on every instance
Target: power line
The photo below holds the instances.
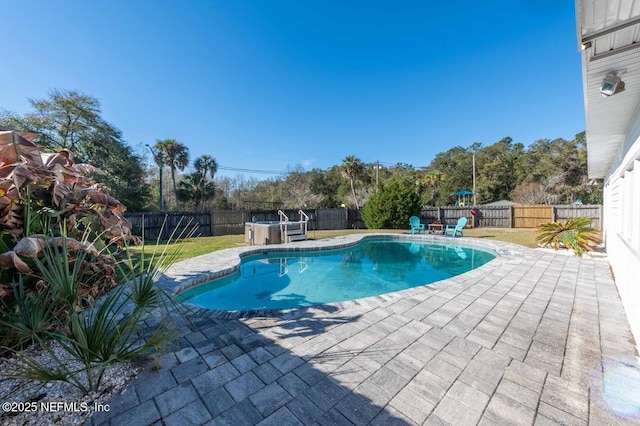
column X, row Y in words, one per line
column 265, row 172
column 279, row 172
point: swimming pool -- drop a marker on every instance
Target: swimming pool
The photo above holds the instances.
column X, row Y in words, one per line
column 285, row 280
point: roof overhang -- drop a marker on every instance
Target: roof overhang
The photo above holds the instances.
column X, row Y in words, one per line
column 609, row 38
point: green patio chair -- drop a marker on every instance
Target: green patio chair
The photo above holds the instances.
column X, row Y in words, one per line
column 462, row 222
column 414, row 221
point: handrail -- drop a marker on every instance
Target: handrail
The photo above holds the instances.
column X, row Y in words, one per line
column 282, row 215
column 283, row 225
column 306, row 219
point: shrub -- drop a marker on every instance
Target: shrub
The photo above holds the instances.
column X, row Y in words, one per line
column 84, row 338
column 392, row 205
column 39, row 195
column 573, row 233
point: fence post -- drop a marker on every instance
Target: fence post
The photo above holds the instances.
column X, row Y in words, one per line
column 510, row 215
column 600, row 218
column 554, row 213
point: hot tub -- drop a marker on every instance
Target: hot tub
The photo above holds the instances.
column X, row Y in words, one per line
column 262, row 233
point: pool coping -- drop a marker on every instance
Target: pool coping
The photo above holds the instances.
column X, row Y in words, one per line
column 526, row 338
column 180, row 276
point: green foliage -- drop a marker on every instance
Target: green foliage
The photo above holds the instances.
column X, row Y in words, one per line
column 175, row 155
column 496, row 170
column 129, row 323
column 392, row 205
column 28, row 320
column 456, row 166
column 119, row 168
column 71, row 120
column 353, row 168
column 196, row 187
column 574, row 233
column 62, row 273
column 429, row 182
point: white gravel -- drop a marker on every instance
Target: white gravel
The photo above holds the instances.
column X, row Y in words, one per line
column 55, row 403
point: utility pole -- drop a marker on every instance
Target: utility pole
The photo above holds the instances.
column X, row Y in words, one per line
column 474, row 179
column 158, row 160
column 377, row 174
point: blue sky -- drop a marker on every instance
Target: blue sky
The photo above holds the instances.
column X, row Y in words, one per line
column 271, row 84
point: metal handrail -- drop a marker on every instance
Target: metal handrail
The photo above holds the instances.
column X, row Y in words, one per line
column 283, row 225
column 305, row 220
column 282, row 215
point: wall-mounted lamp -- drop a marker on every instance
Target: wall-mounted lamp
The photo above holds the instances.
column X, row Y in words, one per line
column 611, row 85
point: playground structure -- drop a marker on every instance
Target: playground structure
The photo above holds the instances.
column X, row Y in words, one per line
column 464, row 198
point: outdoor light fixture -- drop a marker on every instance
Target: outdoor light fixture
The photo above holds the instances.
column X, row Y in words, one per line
column 611, row 85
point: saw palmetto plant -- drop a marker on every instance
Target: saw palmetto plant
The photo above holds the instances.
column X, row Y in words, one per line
column 576, row 233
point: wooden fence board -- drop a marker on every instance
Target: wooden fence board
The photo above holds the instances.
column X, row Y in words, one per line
column 531, row 216
column 164, row 225
column 576, row 210
column 228, row 222
column 430, row 214
column 494, row 216
column 330, row 219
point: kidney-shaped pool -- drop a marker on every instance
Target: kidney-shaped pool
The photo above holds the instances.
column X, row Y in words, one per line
column 287, row 280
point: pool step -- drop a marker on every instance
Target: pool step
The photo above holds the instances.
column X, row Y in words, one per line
column 296, row 235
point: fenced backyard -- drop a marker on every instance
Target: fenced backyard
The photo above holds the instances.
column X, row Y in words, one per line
column 231, row 222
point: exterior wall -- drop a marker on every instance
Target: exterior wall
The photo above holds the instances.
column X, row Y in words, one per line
column 622, row 228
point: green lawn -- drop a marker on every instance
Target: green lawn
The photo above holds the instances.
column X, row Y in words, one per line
column 193, row 247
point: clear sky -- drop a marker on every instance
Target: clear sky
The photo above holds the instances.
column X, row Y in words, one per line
column 271, row 84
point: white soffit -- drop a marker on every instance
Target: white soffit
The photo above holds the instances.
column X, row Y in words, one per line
column 609, row 36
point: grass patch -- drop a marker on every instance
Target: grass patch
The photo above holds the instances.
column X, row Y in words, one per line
column 193, row 247
column 523, row 236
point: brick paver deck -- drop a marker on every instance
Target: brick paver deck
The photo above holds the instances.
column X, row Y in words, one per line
column 526, row 339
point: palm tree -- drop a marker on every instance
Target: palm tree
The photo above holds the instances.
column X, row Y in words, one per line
column 352, row 169
column 431, row 180
column 195, row 187
column 159, row 159
column 206, row 165
column 176, row 156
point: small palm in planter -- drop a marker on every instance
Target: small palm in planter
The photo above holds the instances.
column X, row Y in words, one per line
column 574, row 233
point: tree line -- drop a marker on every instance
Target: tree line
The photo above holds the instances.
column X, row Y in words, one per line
column 548, row 171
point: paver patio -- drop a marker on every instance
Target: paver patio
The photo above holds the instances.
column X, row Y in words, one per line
column 525, row 339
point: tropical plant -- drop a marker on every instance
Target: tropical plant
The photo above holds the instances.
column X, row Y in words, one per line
column 55, row 184
column 38, row 194
column 352, row 169
column 575, row 233
column 431, row 181
column 176, row 156
column 206, row 165
column 26, row 320
column 196, row 186
column 129, row 323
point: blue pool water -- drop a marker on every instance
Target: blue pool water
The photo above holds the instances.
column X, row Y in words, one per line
column 373, row 267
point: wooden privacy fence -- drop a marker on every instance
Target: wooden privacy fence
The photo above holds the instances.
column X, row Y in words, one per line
column 594, row 211
column 163, row 225
column 229, row 222
column 529, row 216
